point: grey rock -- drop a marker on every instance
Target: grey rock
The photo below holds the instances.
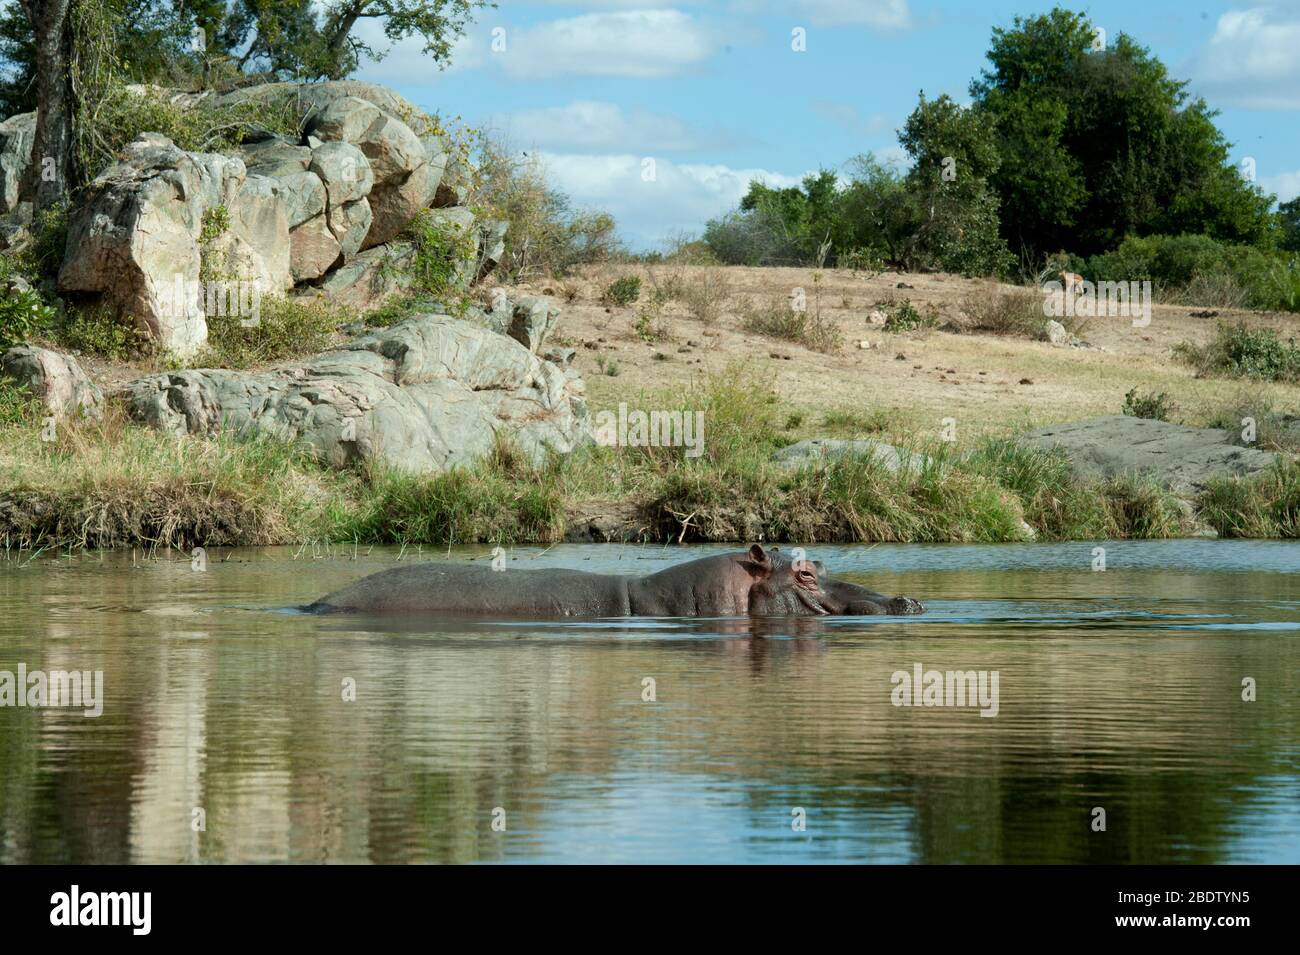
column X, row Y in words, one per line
column 275, row 157
column 491, row 246
column 370, row 276
column 135, row 236
column 349, row 222
column 55, row 378
column 1056, row 333
column 17, row 134
column 303, row 194
column 1181, row 458
column 563, row 357
column 15, row 227
column 344, row 170
column 427, row 394
column 313, row 249
column 532, row 317
column 814, row 451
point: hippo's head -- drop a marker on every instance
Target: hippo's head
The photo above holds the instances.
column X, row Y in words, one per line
column 782, row 586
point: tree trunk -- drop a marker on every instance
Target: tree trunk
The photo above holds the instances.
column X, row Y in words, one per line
column 51, row 169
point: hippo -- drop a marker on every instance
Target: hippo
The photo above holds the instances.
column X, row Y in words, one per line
column 755, row 583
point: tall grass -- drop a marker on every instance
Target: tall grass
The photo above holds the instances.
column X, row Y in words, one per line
column 112, row 483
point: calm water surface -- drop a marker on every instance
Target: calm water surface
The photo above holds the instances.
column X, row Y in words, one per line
column 1120, row 690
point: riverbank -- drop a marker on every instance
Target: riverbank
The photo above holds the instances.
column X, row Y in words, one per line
column 953, row 392
column 111, row 483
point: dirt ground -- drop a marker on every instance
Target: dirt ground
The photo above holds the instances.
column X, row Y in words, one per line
column 914, row 379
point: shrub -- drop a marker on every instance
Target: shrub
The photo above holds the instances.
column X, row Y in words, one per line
column 1156, row 407
column 705, row 295
column 777, row 319
column 904, row 317
column 547, row 235
column 286, row 328
column 210, row 125
column 1198, row 270
column 23, row 316
column 443, row 253
column 622, row 291
column 1241, row 352
column 98, row 330
column 1017, row 312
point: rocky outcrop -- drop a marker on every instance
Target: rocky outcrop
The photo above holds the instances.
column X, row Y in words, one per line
column 56, row 379
column 136, row 238
column 1183, row 459
column 422, row 396
column 371, row 276
column 300, row 212
column 16, row 137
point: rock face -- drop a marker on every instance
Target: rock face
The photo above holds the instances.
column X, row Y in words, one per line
column 817, row 450
column 1181, row 458
column 136, row 237
column 299, row 212
column 16, row 137
column 422, row 396
column 56, row 379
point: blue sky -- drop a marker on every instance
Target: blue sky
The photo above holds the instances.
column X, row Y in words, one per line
column 715, row 95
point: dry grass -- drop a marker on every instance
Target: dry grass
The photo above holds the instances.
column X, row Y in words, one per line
column 108, row 482
column 972, row 377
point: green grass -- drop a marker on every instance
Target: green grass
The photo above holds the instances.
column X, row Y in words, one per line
column 1265, row 505
column 112, row 483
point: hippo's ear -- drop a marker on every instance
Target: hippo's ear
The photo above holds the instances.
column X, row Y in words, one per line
column 759, row 557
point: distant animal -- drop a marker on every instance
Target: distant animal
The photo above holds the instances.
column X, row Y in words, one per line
column 757, row 582
column 1072, row 281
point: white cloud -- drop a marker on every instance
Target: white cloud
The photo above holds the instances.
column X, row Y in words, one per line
column 1251, row 59
column 877, row 14
column 594, row 126
column 1285, row 185
column 635, row 43
column 406, row 63
column 682, row 197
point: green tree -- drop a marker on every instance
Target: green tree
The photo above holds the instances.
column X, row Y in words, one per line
column 1289, row 218
column 953, row 157
column 1098, row 142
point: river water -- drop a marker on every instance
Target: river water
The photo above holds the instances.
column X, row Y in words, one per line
column 229, row 731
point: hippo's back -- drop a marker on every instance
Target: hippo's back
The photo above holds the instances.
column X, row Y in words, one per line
column 478, row 590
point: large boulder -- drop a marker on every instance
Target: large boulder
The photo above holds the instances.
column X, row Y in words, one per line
column 369, row 277
column 135, row 238
column 256, row 247
column 16, row 137
column 274, row 156
column 56, row 379
column 405, row 177
column 344, row 170
column 1179, row 457
column 532, row 318
column 425, row 395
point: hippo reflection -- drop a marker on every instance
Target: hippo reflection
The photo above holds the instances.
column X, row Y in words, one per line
column 755, row 583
